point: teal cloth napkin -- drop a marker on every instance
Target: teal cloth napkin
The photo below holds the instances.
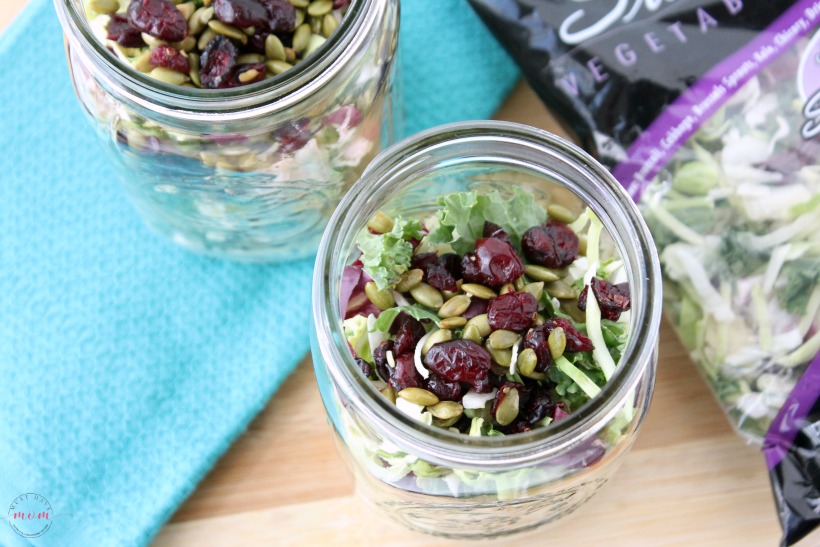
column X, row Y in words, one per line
column 127, row 365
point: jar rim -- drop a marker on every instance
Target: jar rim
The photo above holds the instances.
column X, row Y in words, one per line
column 408, row 156
column 222, row 105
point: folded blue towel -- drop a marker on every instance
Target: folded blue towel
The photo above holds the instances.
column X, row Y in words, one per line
column 127, row 365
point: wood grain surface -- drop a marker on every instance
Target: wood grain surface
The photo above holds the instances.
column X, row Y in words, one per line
column 689, row 479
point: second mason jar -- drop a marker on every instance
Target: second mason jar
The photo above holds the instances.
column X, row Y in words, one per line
column 252, row 172
column 448, row 483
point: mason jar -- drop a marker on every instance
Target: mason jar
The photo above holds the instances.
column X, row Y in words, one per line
column 251, row 172
column 450, row 484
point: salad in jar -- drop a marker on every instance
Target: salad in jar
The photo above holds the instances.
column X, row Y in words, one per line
column 491, row 317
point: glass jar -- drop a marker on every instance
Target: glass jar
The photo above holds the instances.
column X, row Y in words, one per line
column 251, row 172
column 461, row 486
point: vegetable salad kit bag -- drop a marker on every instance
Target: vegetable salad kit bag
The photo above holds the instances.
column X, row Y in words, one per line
column 708, row 112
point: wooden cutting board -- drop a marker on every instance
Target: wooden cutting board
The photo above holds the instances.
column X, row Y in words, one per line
column 689, row 479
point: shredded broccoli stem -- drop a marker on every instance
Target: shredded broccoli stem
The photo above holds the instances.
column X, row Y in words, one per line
column 804, row 353
column 475, row 427
column 577, row 375
column 593, row 237
column 812, row 312
column 684, row 232
column 600, row 354
column 764, row 328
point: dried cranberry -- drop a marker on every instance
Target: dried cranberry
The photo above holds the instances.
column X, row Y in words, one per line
column 477, row 307
column 407, row 331
column 460, row 361
column 256, row 42
column 217, row 62
column 494, row 230
column 380, row 359
column 169, row 57
column 444, row 390
column 159, row 18
column 338, row 4
column 364, row 365
column 559, row 412
column 440, row 272
column 612, row 299
column 238, row 79
column 241, row 13
column 538, row 407
column 493, row 263
column 404, row 374
column 123, row 32
column 281, row 16
column 512, row 311
column 293, row 136
column 344, row 116
column 575, row 340
column 536, row 340
column 554, row 245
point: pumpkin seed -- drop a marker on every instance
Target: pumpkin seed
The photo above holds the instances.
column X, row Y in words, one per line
column 300, row 18
column 501, row 357
column 228, row 30
column 380, row 222
column 104, row 6
column 187, row 9
column 141, row 63
column 481, row 323
column 329, row 24
column 185, row 45
column 448, row 294
column 250, row 31
column 409, row 279
column 455, row 306
column 540, row 273
column 453, row 322
column 561, row 290
column 250, row 58
column 382, row 299
column 248, row 76
column 527, row 361
column 507, row 410
column 561, row 214
column 278, row 67
column 447, row 423
column 535, row 289
column 519, row 283
column 570, row 307
column 441, row 335
column 301, row 37
column 168, row 76
column 471, row 333
column 319, row 7
column 315, row 43
column 479, row 291
column 290, row 55
column 274, row 50
column 316, row 25
column 503, row 339
column 557, row 342
column 506, row 288
column 427, row 296
column 418, row 396
column 198, row 21
column 539, row 320
column 205, row 38
column 152, row 41
column 300, row 3
column 193, row 61
column 446, row 410
column 390, row 393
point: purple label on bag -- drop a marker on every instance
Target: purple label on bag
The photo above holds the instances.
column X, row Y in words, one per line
column 656, row 145
column 792, row 414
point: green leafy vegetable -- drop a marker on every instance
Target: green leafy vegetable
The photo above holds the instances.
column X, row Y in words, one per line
column 417, row 312
column 801, row 276
column 462, row 217
column 386, row 256
column 355, row 330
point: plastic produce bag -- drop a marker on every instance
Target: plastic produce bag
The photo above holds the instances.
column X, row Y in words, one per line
column 708, row 112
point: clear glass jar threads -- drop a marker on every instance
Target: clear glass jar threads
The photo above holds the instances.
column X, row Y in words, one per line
column 463, row 486
column 252, row 172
